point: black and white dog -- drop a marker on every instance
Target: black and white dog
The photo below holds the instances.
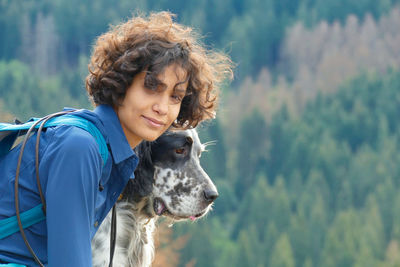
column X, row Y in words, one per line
column 170, row 182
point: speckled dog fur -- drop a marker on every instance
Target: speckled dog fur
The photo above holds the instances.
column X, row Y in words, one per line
column 169, row 181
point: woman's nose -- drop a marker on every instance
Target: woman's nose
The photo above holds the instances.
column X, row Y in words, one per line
column 161, row 105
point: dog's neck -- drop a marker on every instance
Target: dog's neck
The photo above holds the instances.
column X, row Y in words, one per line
column 135, row 237
column 135, row 245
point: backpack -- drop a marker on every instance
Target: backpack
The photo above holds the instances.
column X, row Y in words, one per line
column 8, row 135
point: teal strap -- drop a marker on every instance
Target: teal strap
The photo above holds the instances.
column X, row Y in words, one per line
column 63, row 120
column 85, row 125
column 12, row 265
column 9, row 226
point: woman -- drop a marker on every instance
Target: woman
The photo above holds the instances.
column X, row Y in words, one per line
column 146, row 75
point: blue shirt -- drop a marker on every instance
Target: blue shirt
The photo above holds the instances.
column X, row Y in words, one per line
column 79, row 189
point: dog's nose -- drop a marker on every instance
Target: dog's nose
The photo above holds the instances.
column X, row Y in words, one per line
column 210, row 195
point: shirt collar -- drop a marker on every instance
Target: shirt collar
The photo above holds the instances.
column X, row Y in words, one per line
column 119, row 145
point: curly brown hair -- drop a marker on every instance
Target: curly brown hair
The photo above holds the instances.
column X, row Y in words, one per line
column 151, row 44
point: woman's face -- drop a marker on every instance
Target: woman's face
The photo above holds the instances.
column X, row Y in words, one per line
column 145, row 113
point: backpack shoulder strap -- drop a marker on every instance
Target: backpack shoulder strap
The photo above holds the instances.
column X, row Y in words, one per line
column 30, row 217
column 85, row 125
column 8, row 134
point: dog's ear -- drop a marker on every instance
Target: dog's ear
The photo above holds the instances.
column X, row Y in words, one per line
column 142, row 185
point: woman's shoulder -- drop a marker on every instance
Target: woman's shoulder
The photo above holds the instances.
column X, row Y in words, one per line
column 73, row 140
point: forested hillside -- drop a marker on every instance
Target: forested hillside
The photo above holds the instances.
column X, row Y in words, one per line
column 318, row 60
column 53, row 37
column 319, row 189
column 305, row 145
column 53, row 33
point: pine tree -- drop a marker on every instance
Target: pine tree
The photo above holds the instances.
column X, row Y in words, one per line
column 282, row 255
column 252, row 157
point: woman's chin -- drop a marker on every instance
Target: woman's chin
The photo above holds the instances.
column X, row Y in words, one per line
column 152, row 136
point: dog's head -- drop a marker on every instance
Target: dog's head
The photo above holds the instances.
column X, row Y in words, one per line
column 169, row 180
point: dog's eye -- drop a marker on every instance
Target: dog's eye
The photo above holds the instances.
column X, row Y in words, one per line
column 179, row 150
column 189, row 140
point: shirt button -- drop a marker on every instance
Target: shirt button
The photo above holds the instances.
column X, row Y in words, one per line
column 96, row 224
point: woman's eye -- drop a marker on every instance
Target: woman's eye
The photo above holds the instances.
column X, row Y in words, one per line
column 176, row 98
column 150, row 90
column 179, row 150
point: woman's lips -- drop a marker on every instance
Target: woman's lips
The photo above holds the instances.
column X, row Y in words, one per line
column 153, row 122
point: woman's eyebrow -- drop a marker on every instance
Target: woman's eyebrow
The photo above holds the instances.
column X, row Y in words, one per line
column 179, row 90
column 180, row 87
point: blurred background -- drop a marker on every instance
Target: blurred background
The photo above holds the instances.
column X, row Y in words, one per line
column 307, row 136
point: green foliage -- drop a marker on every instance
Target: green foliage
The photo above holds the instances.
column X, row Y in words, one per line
column 254, row 211
column 209, row 245
column 227, row 201
column 331, row 196
column 282, row 255
column 339, row 9
column 280, row 142
column 252, row 30
column 27, row 95
column 214, row 158
column 252, row 146
column 342, row 240
column 396, row 218
column 249, row 248
column 318, row 188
